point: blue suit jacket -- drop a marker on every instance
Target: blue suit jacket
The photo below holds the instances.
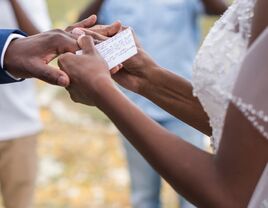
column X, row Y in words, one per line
column 4, row 34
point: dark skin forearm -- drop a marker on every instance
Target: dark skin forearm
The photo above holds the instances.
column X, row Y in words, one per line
column 23, row 20
column 159, row 146
column 176, row 97
column 92, row 8
column 215, row 7
column 168, row 90
column 225, row 180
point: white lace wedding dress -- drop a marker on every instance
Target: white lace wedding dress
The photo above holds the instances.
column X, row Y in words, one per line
column 215, row 71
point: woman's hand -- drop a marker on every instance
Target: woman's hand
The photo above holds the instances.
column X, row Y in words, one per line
column 88, row 73
column 136, row 71
column 100, row 33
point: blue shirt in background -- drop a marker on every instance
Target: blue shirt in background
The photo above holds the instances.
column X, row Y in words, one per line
column 169, row 32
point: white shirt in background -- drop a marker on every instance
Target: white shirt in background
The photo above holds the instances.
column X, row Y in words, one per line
column 19, row 112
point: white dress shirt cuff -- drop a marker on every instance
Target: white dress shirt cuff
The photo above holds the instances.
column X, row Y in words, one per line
column 8, row 41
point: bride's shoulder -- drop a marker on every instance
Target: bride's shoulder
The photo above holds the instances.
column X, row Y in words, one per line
column 260, row 20
column 251, row 87
column 252, row 82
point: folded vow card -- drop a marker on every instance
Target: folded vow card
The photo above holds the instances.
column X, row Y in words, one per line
column 117, row 49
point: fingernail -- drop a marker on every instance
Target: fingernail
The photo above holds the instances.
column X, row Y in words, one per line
column 96, row 42
column 62, row 81
column 78, row 31
column 80, row 38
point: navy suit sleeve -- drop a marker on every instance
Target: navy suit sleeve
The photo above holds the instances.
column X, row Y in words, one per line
column 4, row 34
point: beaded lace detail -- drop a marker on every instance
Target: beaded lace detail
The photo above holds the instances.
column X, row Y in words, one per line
column 255, row 116
column 218, row 62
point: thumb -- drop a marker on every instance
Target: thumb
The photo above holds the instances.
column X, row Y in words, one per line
column 112, row 29
column 86, row 23
column 107, row 30
column 86, row 43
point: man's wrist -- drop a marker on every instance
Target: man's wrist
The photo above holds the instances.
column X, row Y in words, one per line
column 6, row 57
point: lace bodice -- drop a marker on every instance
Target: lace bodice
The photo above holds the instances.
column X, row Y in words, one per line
column 218, row 62
column 215, row 72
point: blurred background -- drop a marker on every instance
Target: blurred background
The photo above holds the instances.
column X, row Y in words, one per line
column 82, row 163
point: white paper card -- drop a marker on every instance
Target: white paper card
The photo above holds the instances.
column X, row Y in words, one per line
column 117, row 49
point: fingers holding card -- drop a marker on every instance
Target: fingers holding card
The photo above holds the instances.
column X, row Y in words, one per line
column 117, row 49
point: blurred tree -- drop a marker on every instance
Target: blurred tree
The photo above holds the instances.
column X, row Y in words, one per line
column 64, row 12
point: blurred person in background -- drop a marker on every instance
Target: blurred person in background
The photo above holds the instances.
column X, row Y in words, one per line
column 169, row 32
column 19, row 121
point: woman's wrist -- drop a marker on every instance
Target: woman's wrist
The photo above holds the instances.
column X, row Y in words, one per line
column 103, row 88
column 149, row 69
column 151, row 80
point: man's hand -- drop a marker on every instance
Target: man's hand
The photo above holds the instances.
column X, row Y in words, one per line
column 29, row 57
column 86, row 23
column 98, row 32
